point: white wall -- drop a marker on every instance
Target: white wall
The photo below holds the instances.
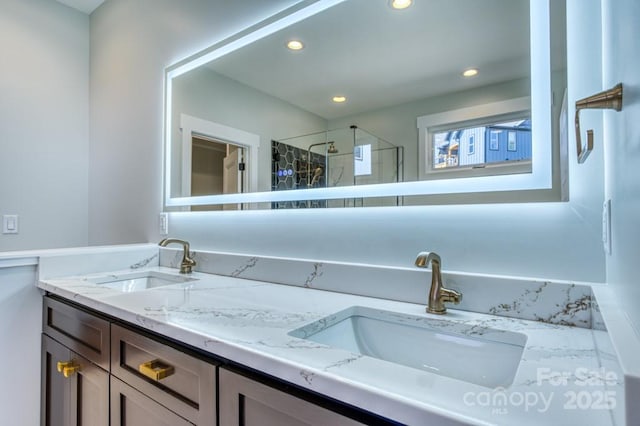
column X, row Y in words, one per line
column 131, row 44
column 44, row 123
column 622, row 141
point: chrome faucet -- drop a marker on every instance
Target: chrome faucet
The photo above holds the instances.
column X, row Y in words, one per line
column 187, row 262
column 438, row 295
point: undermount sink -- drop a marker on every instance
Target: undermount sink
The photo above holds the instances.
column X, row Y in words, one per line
column 475, row 354
column 138, row 281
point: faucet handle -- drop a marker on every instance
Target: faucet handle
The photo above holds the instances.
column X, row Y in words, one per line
column 187, row 264
column 451, row 296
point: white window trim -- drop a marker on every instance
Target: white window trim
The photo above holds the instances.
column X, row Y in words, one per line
column 428, row 124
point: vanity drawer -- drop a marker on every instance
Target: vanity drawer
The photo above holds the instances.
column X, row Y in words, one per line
column 82, row 332
column 181, row 382
column 245, row 402
column 130, row 407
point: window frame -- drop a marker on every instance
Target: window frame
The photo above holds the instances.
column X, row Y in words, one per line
column 476, row 116
column 510, row 147
column 491, row 140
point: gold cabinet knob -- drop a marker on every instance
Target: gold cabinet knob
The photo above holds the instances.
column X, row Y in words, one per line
column 68, row 368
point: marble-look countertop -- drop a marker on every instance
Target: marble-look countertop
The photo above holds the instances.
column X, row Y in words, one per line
column 567, row 376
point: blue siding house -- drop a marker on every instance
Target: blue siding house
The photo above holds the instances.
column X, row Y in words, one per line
column 508, row 143
column 497, row 143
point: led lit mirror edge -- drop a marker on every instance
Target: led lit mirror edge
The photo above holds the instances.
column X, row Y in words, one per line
column 254, row 32
column 541, row 177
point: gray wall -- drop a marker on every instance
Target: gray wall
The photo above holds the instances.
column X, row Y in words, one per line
column 205, row 94
column 132, row 42
column 44, row 123
column 131, row 45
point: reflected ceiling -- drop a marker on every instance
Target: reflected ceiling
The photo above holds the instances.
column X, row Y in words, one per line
column 444, row 38
column 85, row 6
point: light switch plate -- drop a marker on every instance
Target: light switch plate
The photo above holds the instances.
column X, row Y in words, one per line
column 606, row 226
column 163, row 223
column 10, row 224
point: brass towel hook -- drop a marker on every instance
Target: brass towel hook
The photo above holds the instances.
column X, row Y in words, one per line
column 609, row 99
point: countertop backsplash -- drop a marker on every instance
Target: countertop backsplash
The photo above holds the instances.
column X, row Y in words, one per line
column 552, row 302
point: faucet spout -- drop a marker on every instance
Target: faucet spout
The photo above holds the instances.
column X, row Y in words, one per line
column 187, row 262
column 426, row 257
column 438, row 294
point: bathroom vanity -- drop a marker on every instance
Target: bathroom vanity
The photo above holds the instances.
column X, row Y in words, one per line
column 131, row 376
column 222, row 346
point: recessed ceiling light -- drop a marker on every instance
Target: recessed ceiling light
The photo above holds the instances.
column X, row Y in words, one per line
column 471, row 72
column 295, row 45
column 401, row 4
column 339, row 99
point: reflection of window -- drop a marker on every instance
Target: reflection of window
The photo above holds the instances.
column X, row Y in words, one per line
column 493, row 143
column 357, row 152
column 485, row 143
column 512, row 146
column 487, row 168
column 362, row 160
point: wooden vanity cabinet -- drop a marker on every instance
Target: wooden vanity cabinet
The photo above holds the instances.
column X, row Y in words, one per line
column 120, row 375
column 75, row 385
column 246, row 402
column 98, row 373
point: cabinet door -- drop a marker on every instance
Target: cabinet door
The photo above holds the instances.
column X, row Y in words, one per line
column 82, row 398
column 130, row 407
column 249, row 403
column 90, row 391
column 56, row 389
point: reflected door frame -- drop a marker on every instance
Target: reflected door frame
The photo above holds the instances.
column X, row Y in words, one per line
column 193, row 126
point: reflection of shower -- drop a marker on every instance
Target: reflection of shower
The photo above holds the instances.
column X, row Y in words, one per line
column 317, row 173
column 364, row 159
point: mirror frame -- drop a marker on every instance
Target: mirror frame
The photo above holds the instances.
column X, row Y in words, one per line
column 541, row 176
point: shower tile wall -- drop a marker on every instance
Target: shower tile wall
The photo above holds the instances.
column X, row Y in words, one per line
column 289, row 171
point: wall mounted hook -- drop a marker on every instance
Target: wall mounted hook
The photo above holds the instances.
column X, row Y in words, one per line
column 608, row 99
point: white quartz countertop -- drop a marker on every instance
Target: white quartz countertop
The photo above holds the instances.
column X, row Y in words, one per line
column 561, row 380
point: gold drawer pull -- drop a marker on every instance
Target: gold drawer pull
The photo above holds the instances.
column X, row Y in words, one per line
column 156, row 369
column 68, row 368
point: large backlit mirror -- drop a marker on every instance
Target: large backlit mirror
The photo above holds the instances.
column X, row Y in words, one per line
column 357, row 103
